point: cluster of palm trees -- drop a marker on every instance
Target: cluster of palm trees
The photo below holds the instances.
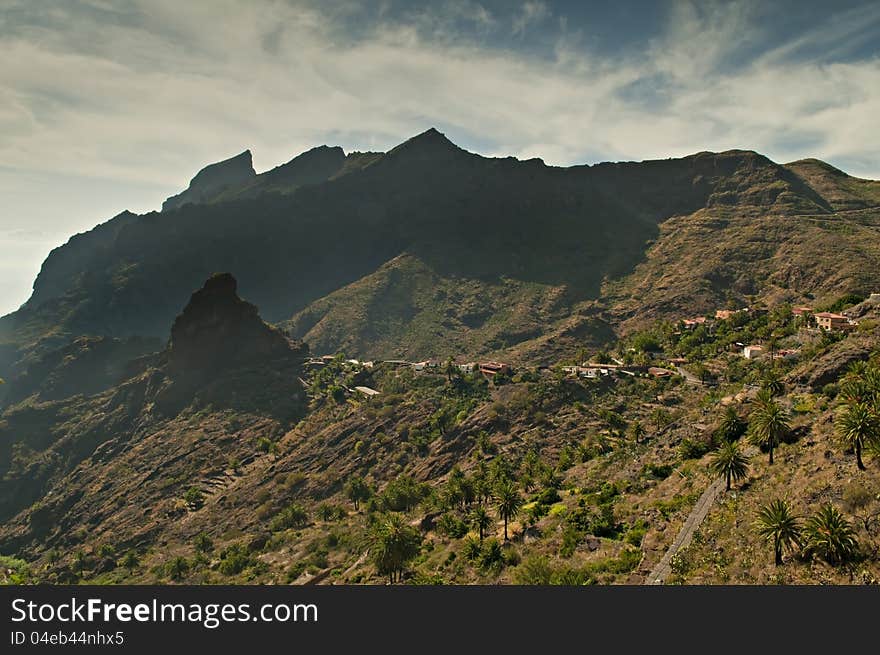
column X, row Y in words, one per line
column 826, row 534
column 857, row 421
column 393, row 543
column 767, row 426
column 858, row 417
column 475, row 492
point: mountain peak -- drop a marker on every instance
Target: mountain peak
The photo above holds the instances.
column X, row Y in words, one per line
column 213, row 179
column 431, row 141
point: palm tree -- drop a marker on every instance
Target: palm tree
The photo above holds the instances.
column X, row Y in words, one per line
column 637, row 430
column 830, row 536
column 768, row 424
column 858, row 425
column 509, row 502
column 481, row 520
column 773, row 384
column 393, row 543
column 762, row 398
column 779, row 526
column 730, row 463
column 356, row 490
column 130, row 561
column 450, row 369
column 732, row 426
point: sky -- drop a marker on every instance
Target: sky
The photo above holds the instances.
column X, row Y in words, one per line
column 107, row 106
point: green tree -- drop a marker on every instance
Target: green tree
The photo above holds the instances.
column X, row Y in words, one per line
column 729, row 463
column 773, row 384
column 356, row 490
column 177, row 568
column 858, row 425
column 194, row 498
column 768, row 424
column 393, row 544
column 830, row 536
column 451, row 370
column 481, row 521
column 203, row 543
column 509, row 502
column 637, row 431
column 130, row 561
column 780, row 527
column 292, row 516
column 732, row 426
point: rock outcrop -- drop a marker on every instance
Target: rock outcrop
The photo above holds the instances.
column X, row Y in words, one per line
column 219, row 331
column 222, row 353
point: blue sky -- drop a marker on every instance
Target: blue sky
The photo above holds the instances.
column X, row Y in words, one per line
column 106, row 106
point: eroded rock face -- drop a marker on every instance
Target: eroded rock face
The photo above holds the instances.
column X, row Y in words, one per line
column 219, row 331
column 213, row 180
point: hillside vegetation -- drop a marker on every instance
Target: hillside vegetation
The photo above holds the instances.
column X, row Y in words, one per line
column 533, row 477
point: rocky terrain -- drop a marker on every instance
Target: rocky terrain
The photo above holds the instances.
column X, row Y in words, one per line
column 154, row 427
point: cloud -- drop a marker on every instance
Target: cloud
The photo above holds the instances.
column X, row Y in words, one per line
column 151, row 93
column 119, row 105
column 532, row 12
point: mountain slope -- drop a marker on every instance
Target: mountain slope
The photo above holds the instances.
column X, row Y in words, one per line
column 406, row 309
column 222, row 359
column 620, row 241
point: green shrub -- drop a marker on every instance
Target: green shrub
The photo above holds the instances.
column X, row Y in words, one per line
column 403, row 493
column 293, row 516
column 13, row 571
column 492, row 554
column 234, row 559
column 194, row 498
column 693, row 449
column 636, row 533
column 452, row 526
column 202, row 543
column 471, row 549
column 329, row 512
column 659, row 471
column 177, row 568
column 548, row 497
column 296, row 570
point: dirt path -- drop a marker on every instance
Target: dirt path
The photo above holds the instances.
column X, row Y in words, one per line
column 698, row 514
column 664, row 567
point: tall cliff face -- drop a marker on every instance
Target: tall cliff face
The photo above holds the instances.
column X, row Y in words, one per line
column 213, row 180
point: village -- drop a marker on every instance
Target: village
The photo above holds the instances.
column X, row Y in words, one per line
column 660, row 365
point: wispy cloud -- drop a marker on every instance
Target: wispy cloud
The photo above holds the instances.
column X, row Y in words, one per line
column 532, row 12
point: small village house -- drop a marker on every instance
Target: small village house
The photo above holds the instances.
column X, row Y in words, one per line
column 367, row 391
column 493, row 368
column 693, row 323
column 830, row 321
column 753, row 352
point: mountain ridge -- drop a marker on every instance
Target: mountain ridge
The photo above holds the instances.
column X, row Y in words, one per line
column 326, row 220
